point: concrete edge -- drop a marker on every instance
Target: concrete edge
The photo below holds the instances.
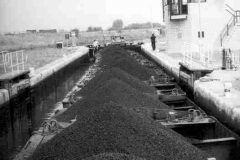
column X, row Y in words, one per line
column 204, row 97
column 44, row 72
column 54, row 67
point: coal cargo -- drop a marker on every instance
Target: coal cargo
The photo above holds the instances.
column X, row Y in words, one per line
column 112, row 128
column 113, row 90
column 117, row 57
column 102, row 77
column 121, row 93
column 114, row 156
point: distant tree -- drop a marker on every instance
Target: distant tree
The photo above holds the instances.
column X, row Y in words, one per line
column 117, row 25
column 109, row 29
column 157, row 25
column 90, row 29
column 143, row 25
column 94, row 29
column 97, row 29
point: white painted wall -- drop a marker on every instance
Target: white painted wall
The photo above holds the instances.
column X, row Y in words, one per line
column 177, row 32
column 235, row 4
column 213, row 18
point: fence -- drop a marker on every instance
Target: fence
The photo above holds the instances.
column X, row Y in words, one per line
column 205, row 55
column 12, row 61
column 232, row 22
column 2, row 60
column 198, row 53
column 238, row 16
column 234, row 56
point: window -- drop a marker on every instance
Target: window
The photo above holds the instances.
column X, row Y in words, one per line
column 178, row 7
column 166, row 2
column 201, row 34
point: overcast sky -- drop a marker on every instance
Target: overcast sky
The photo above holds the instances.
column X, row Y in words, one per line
column 20, row 15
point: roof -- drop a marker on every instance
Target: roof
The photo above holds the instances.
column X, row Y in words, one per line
column 12, row 75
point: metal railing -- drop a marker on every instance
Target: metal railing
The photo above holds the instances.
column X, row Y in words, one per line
column 229, row 26
column 238, row 16
column 187, row 51
column 205, row 55
column 2, row 60
column 226, row 30
column 196, row 52
column 13, row 61
column 217, row 59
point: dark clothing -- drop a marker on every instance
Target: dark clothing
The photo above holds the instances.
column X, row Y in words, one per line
column 153, row 46
column 153, row 38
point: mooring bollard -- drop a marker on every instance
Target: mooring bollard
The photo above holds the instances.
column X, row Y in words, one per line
column 66, row 103
column 211, row 159
column 227, row 89
column 32, row 71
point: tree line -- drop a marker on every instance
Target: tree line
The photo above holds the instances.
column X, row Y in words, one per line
column 118, row 25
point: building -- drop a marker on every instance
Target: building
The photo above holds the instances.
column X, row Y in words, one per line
column 199, row 22
column 48, row 31
column 31, row 31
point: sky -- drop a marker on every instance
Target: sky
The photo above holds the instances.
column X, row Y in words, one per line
column 21, row 15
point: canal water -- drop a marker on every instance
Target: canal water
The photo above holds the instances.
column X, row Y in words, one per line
column 18, row 120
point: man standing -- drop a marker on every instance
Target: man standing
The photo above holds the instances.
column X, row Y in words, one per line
column 95, row 43
column 153, row 41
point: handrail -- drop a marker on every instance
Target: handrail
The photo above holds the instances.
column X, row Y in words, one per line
column 237, row 16
column 3, row 60
column 13, row 60
column 232, row 22
column 230, row 7
column 230, row 12
column 227, row 28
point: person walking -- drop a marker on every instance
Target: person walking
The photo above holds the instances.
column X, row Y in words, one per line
column 153, row 41
column 95, row 44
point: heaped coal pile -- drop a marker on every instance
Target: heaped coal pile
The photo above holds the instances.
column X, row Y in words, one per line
column 117, row 73
column 120, row 58
column 112, row 128
column 114, row 156
column 117, row 91
column 113, row 90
